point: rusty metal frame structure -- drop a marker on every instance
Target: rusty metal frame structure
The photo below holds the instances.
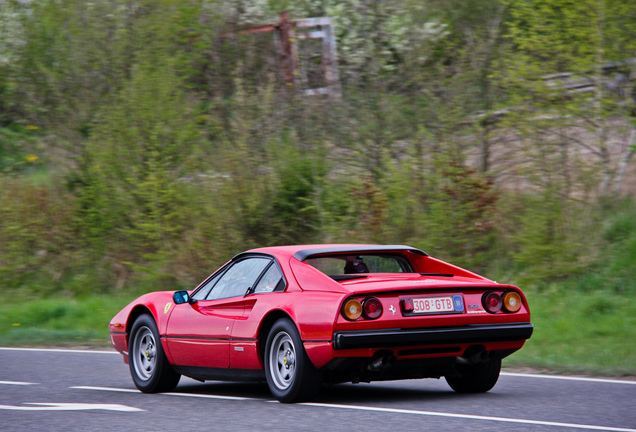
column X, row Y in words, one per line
column 286, row 37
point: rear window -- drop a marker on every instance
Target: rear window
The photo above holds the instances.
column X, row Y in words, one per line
column 360, row 264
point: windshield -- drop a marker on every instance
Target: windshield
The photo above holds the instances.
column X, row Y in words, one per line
column 361, row 263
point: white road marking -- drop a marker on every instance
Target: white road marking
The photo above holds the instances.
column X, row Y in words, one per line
column 389, row 410
column 16, row 383
column 70, row 407
column 117, row 407
column 569, row 378
column 113, row 389
column 206, row 396
column 195, row 395
column 469, row 416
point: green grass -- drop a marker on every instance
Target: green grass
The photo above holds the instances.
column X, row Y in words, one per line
column 58, row 321
column 575, row 332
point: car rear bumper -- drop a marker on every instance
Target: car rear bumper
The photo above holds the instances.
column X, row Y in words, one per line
column 433, row 336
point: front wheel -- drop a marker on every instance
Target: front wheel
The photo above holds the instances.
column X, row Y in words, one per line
column 291, row 376
column 149, row 366
column 477, row 378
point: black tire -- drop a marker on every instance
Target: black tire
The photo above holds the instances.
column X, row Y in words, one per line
column 291, row 376
column 478, row 378
column 150, row 370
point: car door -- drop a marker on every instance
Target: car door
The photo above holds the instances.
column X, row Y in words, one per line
column 198, row 334
column 244, row 346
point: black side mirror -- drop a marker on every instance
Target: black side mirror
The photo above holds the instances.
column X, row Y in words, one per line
column 181, row 297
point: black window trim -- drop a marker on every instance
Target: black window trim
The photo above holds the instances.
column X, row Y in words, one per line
column 237, row 258
column 219, row 273
column 273, row 263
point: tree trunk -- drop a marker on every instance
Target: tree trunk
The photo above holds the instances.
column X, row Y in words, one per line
column 622, row 167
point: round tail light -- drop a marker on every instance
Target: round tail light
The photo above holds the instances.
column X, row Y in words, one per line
column 492, row 302
column 371, row 308
column 511, row 301
column 352, row 310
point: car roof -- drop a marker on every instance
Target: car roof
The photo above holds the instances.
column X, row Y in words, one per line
column 302, row 252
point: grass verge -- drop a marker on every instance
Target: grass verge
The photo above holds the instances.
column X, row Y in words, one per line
column 58, row 321
column 582, row 333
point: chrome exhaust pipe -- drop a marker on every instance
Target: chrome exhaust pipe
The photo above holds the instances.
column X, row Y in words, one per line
column 381, row 363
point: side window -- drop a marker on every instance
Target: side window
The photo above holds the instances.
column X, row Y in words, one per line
column 238, row 278
column 272, row 280
column 205, row 289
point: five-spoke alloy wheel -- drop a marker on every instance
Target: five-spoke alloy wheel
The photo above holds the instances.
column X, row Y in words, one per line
column 145, row 350
column 291, row 376
column 282, row 361
column 149, row 366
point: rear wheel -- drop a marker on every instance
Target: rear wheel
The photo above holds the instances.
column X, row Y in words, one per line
column 149, row 366
column 477, row 378
column 291, row 376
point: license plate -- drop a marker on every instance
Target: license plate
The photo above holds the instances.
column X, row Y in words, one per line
column 425, row 305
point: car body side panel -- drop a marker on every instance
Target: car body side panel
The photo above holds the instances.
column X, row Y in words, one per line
column 199, row 334
column 312, row 312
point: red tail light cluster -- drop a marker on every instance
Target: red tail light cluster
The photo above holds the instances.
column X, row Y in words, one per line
column 352, row 310
column 492, row 302
column 509, row 301
column 370, row 308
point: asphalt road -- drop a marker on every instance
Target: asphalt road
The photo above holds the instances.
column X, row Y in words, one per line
column 65, row 390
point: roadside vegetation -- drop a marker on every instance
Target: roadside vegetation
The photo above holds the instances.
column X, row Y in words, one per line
column 143, row 144
column 576, row 331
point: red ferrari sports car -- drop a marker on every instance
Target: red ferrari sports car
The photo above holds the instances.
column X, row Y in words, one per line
column 301, row 316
